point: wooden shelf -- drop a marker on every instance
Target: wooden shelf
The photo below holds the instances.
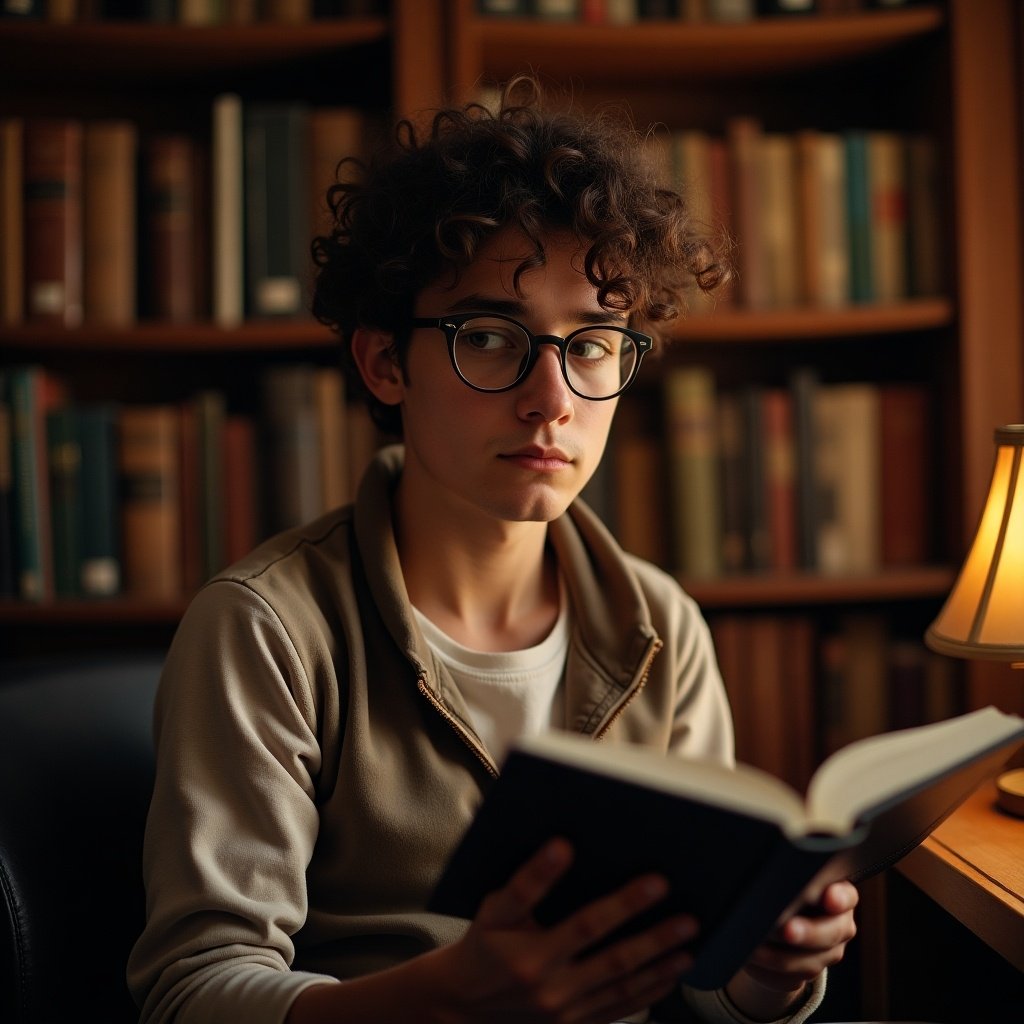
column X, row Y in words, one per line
column 724, row 326
column 38, row 50
column 806, row 323
column 779, row 589
column 168, row 338
column 767, row 589
column 667, row 51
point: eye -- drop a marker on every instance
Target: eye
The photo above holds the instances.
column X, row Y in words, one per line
column 490, row 336
column 595, row 345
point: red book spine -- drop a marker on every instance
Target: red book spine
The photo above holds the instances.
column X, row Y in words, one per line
column 53, row 221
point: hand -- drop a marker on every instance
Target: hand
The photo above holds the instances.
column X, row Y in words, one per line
column 508, row 968
column 777, row 972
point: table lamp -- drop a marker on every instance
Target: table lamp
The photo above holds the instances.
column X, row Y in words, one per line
column 983, row 617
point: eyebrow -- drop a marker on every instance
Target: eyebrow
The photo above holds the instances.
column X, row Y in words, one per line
column 477, row 303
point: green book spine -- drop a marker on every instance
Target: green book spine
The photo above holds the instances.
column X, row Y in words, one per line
column 858, row 212
column 65, row 468
column 100, row 563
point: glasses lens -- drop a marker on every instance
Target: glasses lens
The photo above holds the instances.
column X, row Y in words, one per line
column 491, row 353
column 600, row 360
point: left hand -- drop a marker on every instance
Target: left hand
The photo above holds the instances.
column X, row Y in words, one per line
column 777, row 972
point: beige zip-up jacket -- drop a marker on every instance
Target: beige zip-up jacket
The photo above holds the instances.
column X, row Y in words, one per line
column 316, row 765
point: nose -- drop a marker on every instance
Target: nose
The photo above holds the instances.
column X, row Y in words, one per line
column 544, row 394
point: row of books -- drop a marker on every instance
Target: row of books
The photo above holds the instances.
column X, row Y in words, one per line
column 189, row 12
column 99, row 499
column 102, row 223
column 624, row 12
column 819, row 218
column 802, row 687
column 827, row 478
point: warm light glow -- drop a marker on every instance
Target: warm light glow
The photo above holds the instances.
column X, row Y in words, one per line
column 983, row 617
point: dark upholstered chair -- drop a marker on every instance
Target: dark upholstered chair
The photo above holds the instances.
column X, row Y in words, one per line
column 76, row 770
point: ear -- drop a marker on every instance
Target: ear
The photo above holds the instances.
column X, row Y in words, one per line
column 373, row 352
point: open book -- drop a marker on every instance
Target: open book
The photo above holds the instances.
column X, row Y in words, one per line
column 739, row 847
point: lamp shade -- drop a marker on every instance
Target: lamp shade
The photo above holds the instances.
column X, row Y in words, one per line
column 983, row 617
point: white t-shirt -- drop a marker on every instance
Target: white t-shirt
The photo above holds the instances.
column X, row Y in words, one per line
column 510, row 694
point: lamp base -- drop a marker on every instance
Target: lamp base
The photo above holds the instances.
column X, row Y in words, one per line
column 1010, row 792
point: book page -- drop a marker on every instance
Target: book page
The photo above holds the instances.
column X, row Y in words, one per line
column 872, row 770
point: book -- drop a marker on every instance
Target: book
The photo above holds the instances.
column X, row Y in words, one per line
column 743, row 135
column 906, row 473
column 64, row 462
column 294, row 494
column 148, row 463
column 170, row 217
column 739, row 847
column 226, row 204
column 847, row 453
column 780, row 495
column 779, row 253
column 34, row 393
column 691, row 429
column 7, row 573
column 100, row 562
column 858, row 216
column 887, row 184
column 52, row 170
column 276, row 187
column 12, row 274
column 824, row 240
column 241, row 492
column 109, row 155
column 924, row 230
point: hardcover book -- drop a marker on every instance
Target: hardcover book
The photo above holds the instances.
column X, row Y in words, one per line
column 738, row 846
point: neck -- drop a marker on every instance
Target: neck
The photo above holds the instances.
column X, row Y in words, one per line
column 490, row 585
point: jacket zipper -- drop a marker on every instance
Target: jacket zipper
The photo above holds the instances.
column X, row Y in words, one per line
column 645, row 672
column 421, row 684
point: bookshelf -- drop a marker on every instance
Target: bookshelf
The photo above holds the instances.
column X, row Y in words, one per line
column 946, row 69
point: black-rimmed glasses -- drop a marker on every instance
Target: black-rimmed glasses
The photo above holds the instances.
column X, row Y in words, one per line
column 492, row 352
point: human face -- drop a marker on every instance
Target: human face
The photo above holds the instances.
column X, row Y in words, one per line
column 516, row 456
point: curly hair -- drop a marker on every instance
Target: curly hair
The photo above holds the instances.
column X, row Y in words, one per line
column 425, row 209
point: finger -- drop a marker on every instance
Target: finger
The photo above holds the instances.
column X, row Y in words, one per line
column 514, row 903
column 818, row 933
column 637, row 991
column 599, row 919
column 628, row 956
column 840, row 897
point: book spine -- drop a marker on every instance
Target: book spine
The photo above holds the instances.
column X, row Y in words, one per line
column 241, row 493
column 33, row 393
column 732, row 477
column 277, row 202
column 804, row 384
column 924, row 230
column 780, row 477
column 8, row 586
column 53, row 221
column 693, row 470
column 777, row 210
column 292, row 445
column 12, row 194
column 743, row 134
column 858, row 217
column 100, row 565
column 212, row 413
column 887, row 177
column 149, row 465
column 171, row 222
column 906, row 473
column 227, row 211
column 329, row 401
column 109, row 229
column 64, row 459
column 639, row 496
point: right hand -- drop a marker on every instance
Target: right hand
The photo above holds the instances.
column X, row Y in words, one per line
column 508, row 968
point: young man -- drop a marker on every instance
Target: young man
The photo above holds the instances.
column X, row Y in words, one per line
column 334, row 707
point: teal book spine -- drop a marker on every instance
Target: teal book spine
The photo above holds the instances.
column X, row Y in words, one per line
column 100, row 561
column 858, row 214
column 64, row 458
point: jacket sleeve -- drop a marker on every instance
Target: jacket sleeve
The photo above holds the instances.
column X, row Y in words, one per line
column 232, row 821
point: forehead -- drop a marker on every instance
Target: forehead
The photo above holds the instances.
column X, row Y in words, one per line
column 493, row 272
